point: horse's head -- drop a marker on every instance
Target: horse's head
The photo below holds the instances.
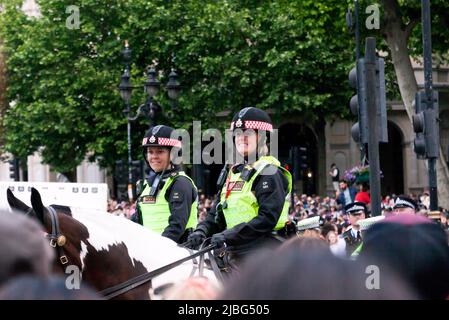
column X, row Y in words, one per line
column 107, row 250
column 64, row 233
column 88, row 246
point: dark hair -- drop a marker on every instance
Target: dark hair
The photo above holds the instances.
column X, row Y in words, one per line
column 35, row 288
column 339, row 228
column 305, row 268
column 326, row 228
column 419, row 252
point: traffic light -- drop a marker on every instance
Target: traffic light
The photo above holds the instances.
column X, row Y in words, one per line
column 14, row 173
column 302, row 158
column 298, row 160
column 425, row 125
column 137, row 170
column 121, row 173
column 357, row 103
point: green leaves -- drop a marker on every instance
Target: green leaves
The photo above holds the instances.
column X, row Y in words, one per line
column 289, row 56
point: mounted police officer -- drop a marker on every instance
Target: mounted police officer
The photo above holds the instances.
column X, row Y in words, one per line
column 168, row 201
column 252, row 204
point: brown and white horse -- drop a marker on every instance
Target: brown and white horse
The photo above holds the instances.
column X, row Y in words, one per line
column 109, row 250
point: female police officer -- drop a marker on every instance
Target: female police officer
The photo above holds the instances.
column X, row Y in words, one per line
column 168, row 202
column 253, row 202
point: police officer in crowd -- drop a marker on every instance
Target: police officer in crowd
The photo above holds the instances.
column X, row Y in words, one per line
column 168, row 201
column 253, row 201
column 403, row 204
column 353, row 236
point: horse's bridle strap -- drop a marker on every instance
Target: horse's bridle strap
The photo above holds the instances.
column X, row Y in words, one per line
column 56, row 237
column 143, row 278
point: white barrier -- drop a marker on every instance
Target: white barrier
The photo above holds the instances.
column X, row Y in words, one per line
column 80, row 195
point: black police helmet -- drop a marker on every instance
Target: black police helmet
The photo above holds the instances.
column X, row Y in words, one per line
column 159, row 136
column 252, row 118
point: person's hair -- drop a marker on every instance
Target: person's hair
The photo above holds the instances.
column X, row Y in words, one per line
column 53, row 288
column 365, row 186
column 326, row 228
column 419, row 252
column 197, row 288
column 23, row 248
column 306, row 269
column 262, row 144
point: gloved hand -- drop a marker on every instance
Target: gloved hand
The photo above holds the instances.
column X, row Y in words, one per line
column 195, row 239
column 218, row 240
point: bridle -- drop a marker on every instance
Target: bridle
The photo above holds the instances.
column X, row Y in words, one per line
column 57, row 240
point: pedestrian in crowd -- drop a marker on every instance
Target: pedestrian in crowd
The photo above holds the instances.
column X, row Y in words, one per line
column 23, row 248
column 168, row 201
column 353, row 237
column 346, row 195
column 335, row 176
column 304, row 268
column 414, row 247
column 254, row 200
column 425, row 199
column 336, row 244
column 363, row 194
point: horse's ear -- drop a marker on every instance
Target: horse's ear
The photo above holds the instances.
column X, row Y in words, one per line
column 15, row 203
column 38, row 206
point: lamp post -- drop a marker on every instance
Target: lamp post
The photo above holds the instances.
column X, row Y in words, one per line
column 150, row 108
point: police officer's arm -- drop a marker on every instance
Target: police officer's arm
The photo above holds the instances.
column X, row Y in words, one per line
column 270, row 191
column 180, row 196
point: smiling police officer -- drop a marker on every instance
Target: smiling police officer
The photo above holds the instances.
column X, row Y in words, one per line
column 168, row 202
column 253, row 202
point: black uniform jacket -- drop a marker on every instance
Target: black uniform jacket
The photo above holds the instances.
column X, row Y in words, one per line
column 270, row 191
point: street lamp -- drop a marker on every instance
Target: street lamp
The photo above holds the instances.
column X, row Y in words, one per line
column 150, row 108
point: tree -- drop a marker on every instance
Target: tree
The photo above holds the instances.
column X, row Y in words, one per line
column 289, row 56
column 402, row 33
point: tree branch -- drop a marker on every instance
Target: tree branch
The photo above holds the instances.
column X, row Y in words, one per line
column 410, row 26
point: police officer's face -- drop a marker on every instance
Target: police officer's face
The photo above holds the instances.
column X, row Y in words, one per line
column 354, row 218
column 246, row 142
column 158, row 158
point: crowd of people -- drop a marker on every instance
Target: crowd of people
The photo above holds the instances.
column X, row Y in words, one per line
column 329, row 208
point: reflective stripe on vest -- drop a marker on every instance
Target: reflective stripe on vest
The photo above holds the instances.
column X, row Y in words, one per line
column 242, row 204
column 156, row 212
column 357, row 251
